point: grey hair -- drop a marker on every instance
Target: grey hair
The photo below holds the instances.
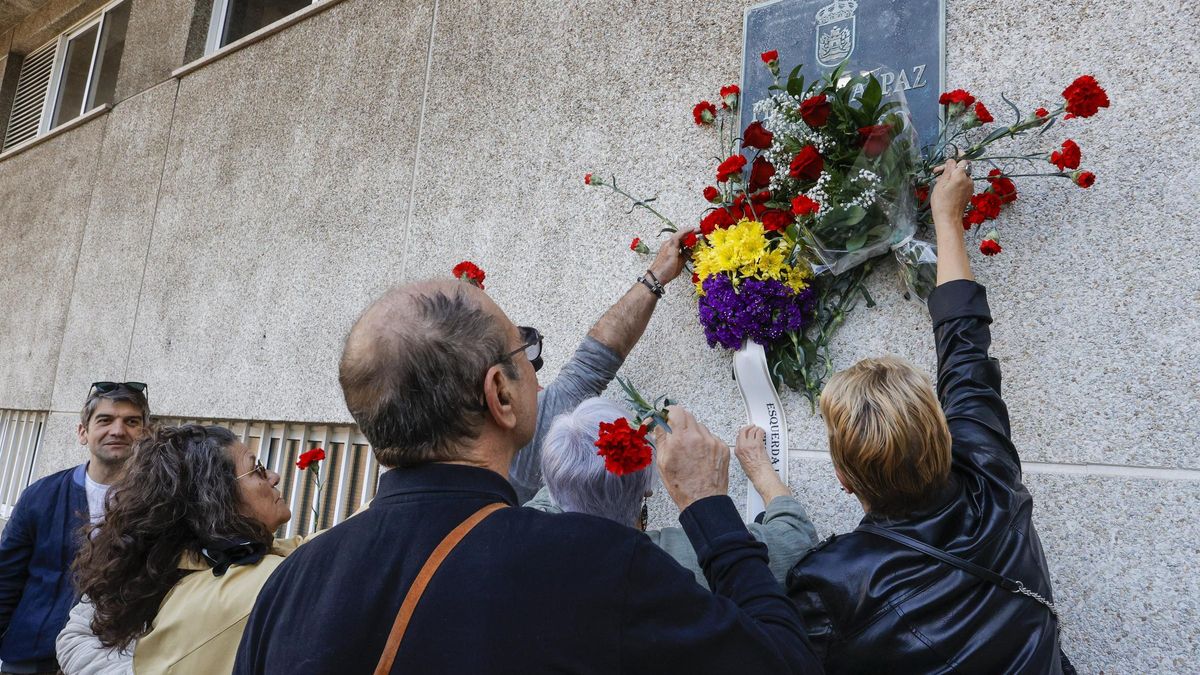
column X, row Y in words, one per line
column 412, row 372
column 121, row 393
column 575, row 474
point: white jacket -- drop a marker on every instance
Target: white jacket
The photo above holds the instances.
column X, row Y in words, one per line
column 80, row 651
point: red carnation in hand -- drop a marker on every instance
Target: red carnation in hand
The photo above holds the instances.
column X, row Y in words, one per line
column 875, row 139
column 1002, row 186
column 760, row 174
column 469, row 272
column 803, row 206
column 704, row 113
column 774, row 220
column 310, row 458
column 689, row 240
column 1085, row 97
column 712, row 194
column 807, row 164
column 729, row 96
column 768, row 57
column 1084, row 179
column 1068, row 157
column 982, row 114
column 958, row 97
column 757, row 136
column 815, row 111
column 624, row 449
column 731, row 168
column 990, row 246
column 987, row 204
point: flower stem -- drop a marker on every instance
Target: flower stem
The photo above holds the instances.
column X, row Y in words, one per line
column 1026, row 175
column 638, row 202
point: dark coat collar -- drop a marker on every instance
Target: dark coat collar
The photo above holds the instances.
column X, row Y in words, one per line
column 396, row 484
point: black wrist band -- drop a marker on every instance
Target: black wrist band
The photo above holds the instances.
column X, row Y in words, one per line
column 652, row 284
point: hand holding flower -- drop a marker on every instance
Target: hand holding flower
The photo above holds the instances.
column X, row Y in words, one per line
column 669, row 262
column 693, row 463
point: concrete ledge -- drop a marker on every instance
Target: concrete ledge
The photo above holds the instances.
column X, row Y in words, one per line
column 256, row 36
column 60, row 129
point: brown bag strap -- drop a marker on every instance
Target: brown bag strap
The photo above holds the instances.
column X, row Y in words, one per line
column 418, row 587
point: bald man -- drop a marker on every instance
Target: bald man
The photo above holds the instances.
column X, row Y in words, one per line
column 441, row 575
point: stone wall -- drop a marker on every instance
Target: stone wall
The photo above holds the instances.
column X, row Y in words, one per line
column 216, row 234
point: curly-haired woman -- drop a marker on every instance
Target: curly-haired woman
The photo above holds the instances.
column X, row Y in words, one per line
column 173, row 572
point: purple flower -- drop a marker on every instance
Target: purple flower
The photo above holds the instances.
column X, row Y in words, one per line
column 760, row 310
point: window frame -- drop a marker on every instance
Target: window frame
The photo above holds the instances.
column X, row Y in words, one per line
column 98, row 20
column 218, row 25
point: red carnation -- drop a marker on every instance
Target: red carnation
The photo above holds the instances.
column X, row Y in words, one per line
column 633, row 245
column 310, row 458
column 469, row 272
column 956, row 97
column 1084, row 179
column 1068, row 157
column 695, row 278
column 875, row 139
column 731, row 168
column 803, row 206
column 989, row 246
column 987, row 204
column 717, row 218
column 982, row 114
column 972, row 217
column 1085, row 97
column 815, row 111
column 704, row 113
column 587, row 179
column 729, row 96
column 757, row 136
column 760, row 174
column 1041, row 113
column 712, row 194
column 1002, row 186
column 921, row 192
column 768, row 57
column 807, row 164
column 774, row 220
column 689, row 239
column 624, row 449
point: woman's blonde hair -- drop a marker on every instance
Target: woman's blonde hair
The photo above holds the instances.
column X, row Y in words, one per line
column 887, row 434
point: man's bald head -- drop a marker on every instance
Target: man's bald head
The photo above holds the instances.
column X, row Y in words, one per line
column 413, row 367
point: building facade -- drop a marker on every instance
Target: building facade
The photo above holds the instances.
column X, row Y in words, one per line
column 203, row 194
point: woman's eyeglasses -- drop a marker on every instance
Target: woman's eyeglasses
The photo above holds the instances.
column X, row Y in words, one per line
column 258, row 469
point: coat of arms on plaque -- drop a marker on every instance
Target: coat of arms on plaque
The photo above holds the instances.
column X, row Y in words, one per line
column 835, row 32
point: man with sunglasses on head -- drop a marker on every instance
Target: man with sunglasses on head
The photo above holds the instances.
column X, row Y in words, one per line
column 42, row 536
column 440, row 574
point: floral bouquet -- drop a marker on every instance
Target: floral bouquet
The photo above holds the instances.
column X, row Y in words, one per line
column 835, row 183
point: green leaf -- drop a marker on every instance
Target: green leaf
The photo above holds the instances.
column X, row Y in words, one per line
column 871, row 96
column 856, row 242
column 795, row 81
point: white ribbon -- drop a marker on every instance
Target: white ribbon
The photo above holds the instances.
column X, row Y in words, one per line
column 763, row 409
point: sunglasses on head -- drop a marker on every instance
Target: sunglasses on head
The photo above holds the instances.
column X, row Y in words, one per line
column 109, row 387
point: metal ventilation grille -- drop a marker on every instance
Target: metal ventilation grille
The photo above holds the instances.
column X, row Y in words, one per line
column 30, row 99
column 349, row 474
column 20, row 437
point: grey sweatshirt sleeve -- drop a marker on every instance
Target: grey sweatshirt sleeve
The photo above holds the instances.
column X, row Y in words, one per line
column 585, row 375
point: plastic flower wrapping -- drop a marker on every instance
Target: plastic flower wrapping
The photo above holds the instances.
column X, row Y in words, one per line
column 827, row 181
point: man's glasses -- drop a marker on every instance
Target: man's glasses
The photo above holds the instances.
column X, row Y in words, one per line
column 109, row 387
column 258, row 469
column 531, row 344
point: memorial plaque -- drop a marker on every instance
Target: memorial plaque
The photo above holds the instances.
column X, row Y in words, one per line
column 902, row 41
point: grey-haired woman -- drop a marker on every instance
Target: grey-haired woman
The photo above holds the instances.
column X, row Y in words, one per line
column 577, row 482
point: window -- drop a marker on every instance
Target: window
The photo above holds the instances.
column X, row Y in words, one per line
column 20, row 439
column 233, row 20
column 69, row 76
column 349, row 473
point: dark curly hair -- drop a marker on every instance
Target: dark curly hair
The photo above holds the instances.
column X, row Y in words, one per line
column 179, row 491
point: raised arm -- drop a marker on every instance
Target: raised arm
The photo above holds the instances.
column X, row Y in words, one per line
column 968, row 381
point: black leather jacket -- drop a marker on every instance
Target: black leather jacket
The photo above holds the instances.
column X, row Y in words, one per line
column 871, row 605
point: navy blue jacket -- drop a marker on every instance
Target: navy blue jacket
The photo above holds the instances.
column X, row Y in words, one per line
column 525, row 592
column 39, row 544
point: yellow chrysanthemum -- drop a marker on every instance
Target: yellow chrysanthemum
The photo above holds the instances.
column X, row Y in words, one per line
column 744, row 251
